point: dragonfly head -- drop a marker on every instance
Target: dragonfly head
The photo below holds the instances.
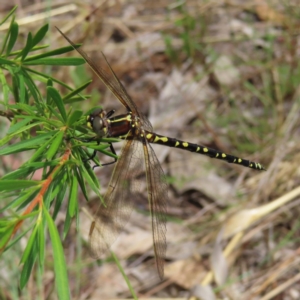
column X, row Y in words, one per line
column 97, row 121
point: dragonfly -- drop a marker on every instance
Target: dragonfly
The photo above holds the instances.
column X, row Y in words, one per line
column 125, row 183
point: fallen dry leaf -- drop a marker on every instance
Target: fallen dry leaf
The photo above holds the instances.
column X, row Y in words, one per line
column 185, row 273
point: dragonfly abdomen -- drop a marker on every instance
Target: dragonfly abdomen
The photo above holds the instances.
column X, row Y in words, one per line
column 175, row 143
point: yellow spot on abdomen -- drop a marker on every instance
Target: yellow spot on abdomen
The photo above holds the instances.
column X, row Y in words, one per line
column 185, row 144
column 177, row 144
column 205, row 150
column 163, row 139
column 198, row 149
column 239, row 160
column 149, row 136
column 224, row 155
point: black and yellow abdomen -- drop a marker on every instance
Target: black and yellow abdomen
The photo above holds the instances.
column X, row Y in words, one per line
column 175, row 143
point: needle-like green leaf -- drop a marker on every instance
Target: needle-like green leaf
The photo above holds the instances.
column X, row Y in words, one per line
column 60, row 267
column 28, row 46
column 67, row 61
column 14, row 30
column 50, row 53
column 28, row 265
column 55, row 144
column 26, row 144
column 54, row 94
column 40, row 34
column 12, row 185
column 75, row 116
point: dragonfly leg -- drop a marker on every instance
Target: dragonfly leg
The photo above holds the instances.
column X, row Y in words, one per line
column 82, row 140
column 86, row 141
column 112, row 149
column 91, row 157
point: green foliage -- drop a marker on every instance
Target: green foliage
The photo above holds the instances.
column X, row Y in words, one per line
column 190, row 32
column 47, row 131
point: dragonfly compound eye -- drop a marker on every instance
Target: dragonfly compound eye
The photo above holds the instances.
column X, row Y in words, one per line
column 97, row 125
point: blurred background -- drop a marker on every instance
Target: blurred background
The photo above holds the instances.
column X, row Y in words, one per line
column 224, row 74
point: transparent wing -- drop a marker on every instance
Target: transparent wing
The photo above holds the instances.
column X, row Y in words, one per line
column 157, row 196
column 111, row 219
column 110, row 79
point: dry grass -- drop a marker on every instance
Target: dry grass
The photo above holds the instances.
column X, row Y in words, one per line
column 220, row 73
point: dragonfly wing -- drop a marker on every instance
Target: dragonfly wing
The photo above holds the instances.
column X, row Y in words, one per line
column 157, row 197
column 110, row 79
column 113, row 216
